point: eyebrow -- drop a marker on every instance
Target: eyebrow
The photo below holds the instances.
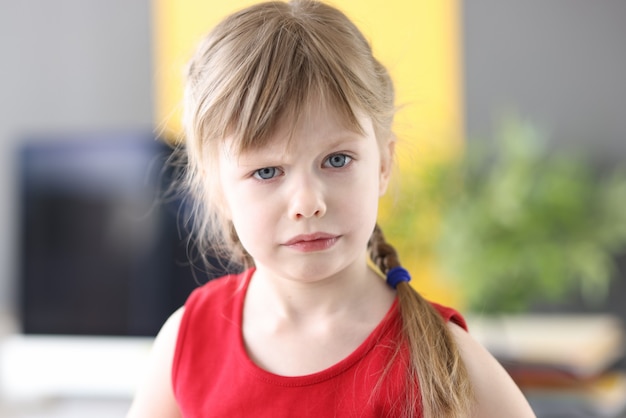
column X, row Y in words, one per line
column 335, row 139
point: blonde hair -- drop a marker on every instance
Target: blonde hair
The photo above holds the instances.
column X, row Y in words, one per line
column 263, row 65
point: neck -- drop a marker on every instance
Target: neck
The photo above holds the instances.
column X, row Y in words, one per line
column 354, row 289
column 294, row 326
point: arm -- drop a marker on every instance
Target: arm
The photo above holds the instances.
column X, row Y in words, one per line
column 155, row 397
column 495, row 392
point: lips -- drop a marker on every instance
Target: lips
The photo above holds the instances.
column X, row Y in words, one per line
column 312, row 242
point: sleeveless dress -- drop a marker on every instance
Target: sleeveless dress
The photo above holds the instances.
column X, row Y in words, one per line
column 213, row 376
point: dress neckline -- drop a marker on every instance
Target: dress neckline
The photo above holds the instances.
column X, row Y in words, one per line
column 385, row 326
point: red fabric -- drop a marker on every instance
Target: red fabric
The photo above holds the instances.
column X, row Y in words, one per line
column 213, row 377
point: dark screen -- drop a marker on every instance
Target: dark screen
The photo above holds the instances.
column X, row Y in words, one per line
column 101, row 252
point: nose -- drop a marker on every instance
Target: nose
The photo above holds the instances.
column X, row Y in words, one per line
column 306, row 199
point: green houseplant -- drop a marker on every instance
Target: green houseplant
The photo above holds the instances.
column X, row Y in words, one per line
column 519, row 223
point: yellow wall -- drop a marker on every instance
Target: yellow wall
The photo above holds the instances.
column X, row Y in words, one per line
column 418, row 42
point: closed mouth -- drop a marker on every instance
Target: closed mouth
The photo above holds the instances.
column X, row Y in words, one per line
column 312, row 242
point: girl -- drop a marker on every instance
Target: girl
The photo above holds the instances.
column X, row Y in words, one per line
column 289, row 147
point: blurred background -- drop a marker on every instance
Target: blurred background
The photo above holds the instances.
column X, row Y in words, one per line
column 530, row 90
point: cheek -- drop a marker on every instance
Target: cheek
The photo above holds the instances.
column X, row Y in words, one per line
column 238, row 210
column 242, row 226
column 360, row 200
column 250, row 219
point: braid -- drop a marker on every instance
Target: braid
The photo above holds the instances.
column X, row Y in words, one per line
column 435, row 364
column 382, row 253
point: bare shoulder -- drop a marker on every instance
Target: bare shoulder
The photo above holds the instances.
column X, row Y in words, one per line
column 155, row 396
column 495, row 392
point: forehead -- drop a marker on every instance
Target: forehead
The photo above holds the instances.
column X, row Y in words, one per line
column 316, row 120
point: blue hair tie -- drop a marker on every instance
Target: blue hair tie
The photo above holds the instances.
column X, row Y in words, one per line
column 397, row 275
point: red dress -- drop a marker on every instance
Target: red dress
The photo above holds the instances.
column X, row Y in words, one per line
column 212, row 375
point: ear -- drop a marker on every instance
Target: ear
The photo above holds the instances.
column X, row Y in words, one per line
column 386, row 164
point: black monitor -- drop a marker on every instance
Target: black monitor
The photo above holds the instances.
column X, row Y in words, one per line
column 100, row 252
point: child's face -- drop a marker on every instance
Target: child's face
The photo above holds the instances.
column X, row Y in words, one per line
column 305, row 209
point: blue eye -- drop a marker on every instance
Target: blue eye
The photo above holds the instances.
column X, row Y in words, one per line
column 266, row 173
column 338, row 160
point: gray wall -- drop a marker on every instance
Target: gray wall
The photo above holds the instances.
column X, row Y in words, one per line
column 66, row 66
column 559, row 63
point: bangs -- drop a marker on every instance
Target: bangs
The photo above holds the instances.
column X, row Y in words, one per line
column 268, row 64
column 284, row 73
